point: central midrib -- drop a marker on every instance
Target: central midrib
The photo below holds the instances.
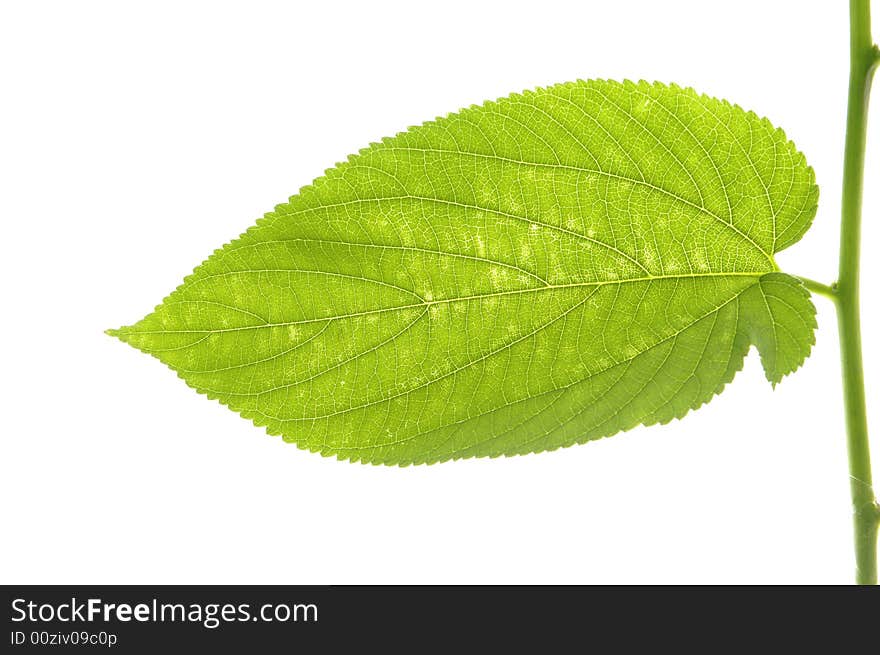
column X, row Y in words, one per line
column 441, row 301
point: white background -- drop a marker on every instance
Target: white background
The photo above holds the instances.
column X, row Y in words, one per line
column 137, row 137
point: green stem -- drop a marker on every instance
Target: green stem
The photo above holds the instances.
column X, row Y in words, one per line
column 866, row 516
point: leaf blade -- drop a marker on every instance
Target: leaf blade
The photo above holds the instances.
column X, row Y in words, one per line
column 426, row 299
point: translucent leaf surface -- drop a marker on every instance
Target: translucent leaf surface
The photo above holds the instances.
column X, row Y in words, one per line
column 535, row 272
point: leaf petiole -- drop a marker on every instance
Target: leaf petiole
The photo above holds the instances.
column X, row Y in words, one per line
column 829, row 291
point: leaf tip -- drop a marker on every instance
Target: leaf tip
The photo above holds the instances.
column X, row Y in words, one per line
column 122, row 333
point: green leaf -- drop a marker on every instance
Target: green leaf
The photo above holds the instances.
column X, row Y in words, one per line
column 535, row 272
